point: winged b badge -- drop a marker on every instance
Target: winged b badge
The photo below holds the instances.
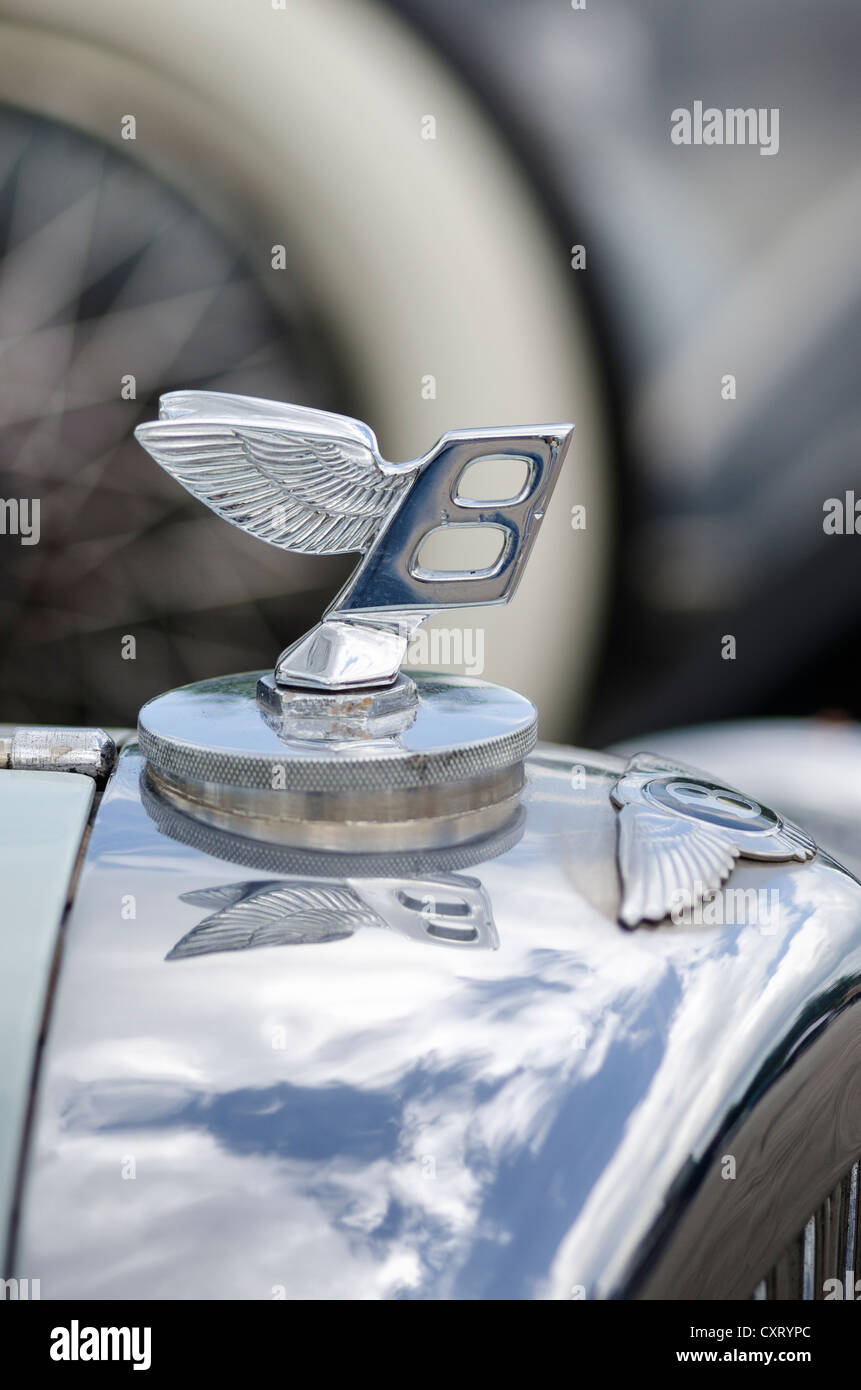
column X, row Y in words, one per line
column 313, row 482
column 680, row 835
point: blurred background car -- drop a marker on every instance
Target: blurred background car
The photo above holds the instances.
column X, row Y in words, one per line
column 702, row 262
column 428, row 168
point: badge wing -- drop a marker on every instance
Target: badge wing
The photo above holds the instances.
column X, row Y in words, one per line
column 662, row 858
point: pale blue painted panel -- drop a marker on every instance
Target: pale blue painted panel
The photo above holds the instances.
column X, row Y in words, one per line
column 43, row 816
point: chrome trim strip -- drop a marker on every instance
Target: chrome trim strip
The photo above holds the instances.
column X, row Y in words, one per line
column 852, row 1252
column 807, row 1278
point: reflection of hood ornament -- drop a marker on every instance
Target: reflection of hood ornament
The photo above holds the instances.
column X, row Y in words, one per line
column 680, row 835
column 421, row 895
column 446, row 911
column 313, row 482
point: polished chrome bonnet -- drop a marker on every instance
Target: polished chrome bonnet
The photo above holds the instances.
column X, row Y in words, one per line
column 275, row 1071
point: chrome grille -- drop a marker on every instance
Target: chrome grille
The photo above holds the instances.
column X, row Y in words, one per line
column 824, row 1260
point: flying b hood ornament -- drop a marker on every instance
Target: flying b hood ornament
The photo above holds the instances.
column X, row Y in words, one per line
column 312, row 482
column 338, row 749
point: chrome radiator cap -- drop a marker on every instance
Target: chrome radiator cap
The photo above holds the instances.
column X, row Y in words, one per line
column 216, row 752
